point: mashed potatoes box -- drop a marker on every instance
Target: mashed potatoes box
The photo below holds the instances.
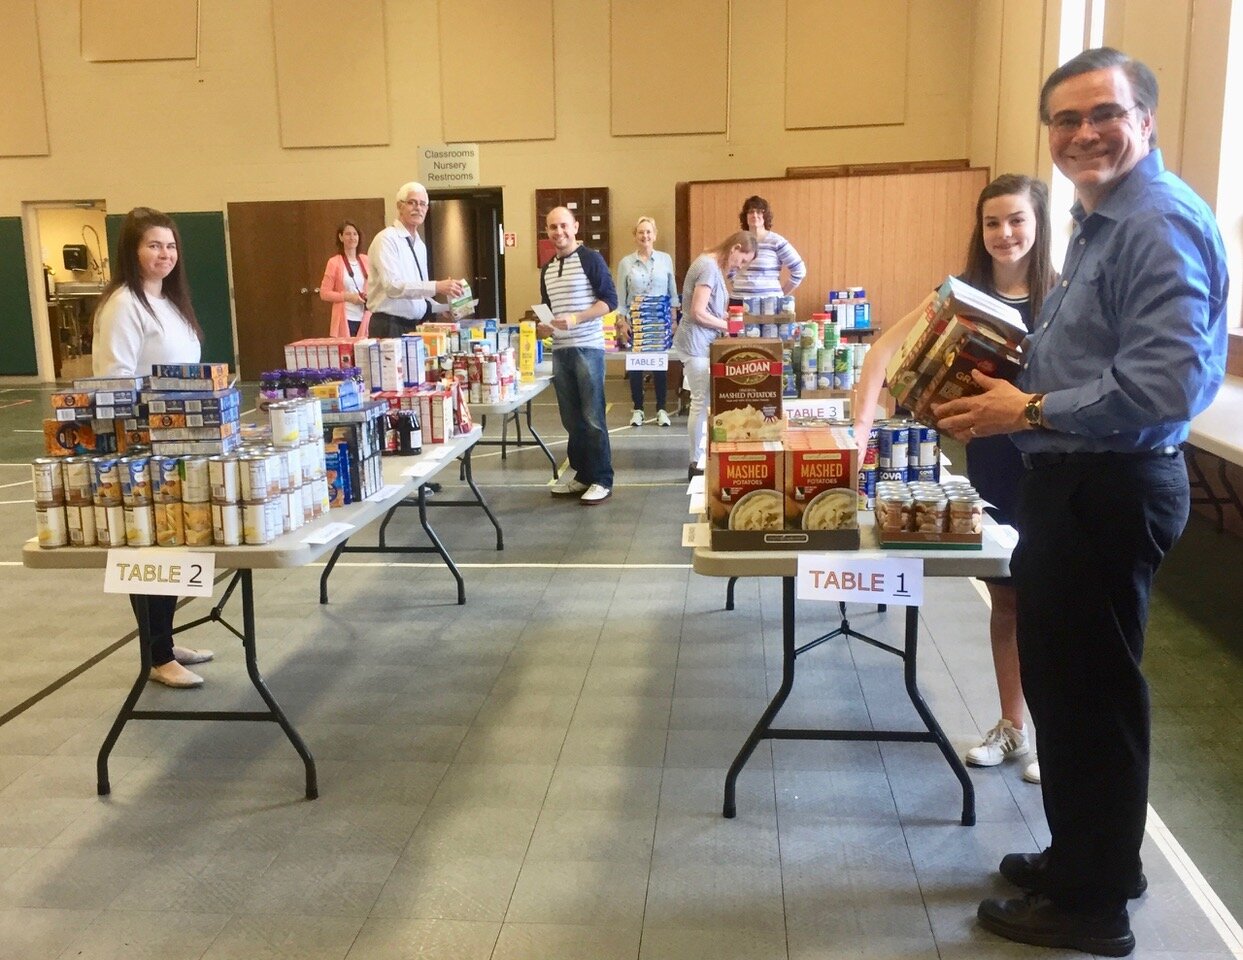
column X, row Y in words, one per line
column 821, row 487
column 745, row 391
column 747, row 498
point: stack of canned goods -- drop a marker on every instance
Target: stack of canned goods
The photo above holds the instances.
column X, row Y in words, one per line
column 929, row 508
column 907, row 451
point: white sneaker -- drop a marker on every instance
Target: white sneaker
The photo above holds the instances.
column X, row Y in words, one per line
column 567, row 486
column 662, row 419
column 1001, row 743
column 187, row 657
column 173, row 674
column 595, row 494
column 636, row 418
column 1031, row 772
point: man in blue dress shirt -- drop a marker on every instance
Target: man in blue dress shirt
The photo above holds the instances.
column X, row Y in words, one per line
column 1128, row 348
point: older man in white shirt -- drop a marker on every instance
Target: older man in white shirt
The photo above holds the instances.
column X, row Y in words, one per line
column 399, row 291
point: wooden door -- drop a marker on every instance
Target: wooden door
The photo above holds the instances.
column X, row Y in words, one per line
column 279, row 249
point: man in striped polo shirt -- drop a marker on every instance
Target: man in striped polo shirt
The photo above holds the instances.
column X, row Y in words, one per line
column 577, row 287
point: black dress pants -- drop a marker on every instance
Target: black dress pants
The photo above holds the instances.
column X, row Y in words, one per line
column 1094, row 531
column 160, row 612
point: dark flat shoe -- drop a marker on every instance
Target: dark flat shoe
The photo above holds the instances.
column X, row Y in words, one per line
column 1037, row 920
column 1026, row 871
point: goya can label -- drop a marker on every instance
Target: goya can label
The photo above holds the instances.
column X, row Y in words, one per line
column 924, row 448
column 893, row 447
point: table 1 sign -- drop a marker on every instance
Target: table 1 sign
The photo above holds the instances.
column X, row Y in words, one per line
column 896, row 580
column 647, row 361
column 170, row 573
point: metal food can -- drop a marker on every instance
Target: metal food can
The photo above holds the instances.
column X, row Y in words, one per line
column 307, row 492
column 930, row 513
column 293, row 466
column 274, row 513
column 966, row 514
column 195, row 480
column 135, row 479
column 768, row 330
column 226, row 524
column 49, row 481
column 319, row 496
column 196, row 518
column 107, row 481
column 255, row 523
column 110, row 525
column 293, row 507
column 278, row 468
column 170, row 524
column 809, row 381
column 924, row 448
column 80, row 522
column 50, row 528
column 317, row 418
column 312, row 461
column 79, row 479
column 140, row 525
column 225, row 478
column 253, row 472
column 867, row 486
column 166, row 479
column 893, row 512
column 893, row 443
column 285, row 429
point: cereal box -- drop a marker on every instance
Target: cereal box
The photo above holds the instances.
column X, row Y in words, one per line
column 745, row 391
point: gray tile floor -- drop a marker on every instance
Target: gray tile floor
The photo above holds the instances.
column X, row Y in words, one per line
column 537, row 774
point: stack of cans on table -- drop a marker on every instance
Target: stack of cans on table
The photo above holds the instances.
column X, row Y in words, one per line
column 900, row 451
column 849, row 308
column 651, row 324
column 769, row 306
column 929, row 508
column 487, row 376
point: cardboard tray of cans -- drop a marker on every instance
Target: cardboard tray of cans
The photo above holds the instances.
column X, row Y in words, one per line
column 929, row 540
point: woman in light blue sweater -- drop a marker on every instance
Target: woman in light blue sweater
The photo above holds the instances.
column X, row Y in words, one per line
column 646, row 273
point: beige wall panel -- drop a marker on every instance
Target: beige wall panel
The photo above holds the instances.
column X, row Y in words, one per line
column 140, row 29
column 496, row 69
column 1020, row 136
column 896, row 235
column 653, row 53
column 845, row 63
column 331, row 74
column 23, row 121
column 986, row 67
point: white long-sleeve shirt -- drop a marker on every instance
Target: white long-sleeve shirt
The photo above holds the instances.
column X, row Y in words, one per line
column 129, row 338
column 399, row 283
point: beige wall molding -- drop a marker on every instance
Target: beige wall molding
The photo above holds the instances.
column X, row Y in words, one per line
column 23, row 121
column 140, row 30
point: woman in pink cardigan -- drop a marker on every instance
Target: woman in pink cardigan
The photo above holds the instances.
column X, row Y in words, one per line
column 345, row 284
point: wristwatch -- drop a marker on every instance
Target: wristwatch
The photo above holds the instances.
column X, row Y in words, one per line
column 1033, row 413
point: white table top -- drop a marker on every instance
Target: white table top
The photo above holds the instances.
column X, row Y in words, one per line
column 991, row 561
column 291, row 549
column 1219, row 429
column 525, row 393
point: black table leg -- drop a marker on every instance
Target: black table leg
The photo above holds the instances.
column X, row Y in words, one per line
column 102, row 786
column 729, row 593
column 332, row 562
column 438, row 546
column 540, row 441
column 470, row 481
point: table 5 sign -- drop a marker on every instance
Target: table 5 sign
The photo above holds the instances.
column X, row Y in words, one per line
column 830, row 578
column 170, row 573
column 647, row 361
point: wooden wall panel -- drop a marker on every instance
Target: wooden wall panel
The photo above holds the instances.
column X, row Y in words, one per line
column 140, row 30
column 496, row 70
column 846, row 63
column 652, row 50
column 896, row 235
column 317, row 109
column 23, row 121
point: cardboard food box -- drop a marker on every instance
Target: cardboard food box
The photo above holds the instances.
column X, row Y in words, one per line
column 745, row 391
column 744, row 493
column 821, row 479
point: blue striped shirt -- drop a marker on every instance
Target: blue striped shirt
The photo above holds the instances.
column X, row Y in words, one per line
column 762, row 277
column 572, row 284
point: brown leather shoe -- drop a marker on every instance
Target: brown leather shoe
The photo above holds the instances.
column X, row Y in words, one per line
column 1037, row 920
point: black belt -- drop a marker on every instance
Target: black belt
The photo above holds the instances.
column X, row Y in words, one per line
column 406, row 322
column 1034, row 461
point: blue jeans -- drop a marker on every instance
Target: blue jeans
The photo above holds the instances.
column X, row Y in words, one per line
column 578, row 378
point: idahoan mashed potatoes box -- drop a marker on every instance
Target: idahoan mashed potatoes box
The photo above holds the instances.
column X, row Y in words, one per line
column 821, row 480
column 745, row 392
column 744, row 486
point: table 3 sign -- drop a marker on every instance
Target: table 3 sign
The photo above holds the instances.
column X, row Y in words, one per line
column 170, row 573
column 835, row 578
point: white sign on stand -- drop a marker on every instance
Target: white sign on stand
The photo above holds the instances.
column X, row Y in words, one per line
column 841, row 577
column 161, row 571
column 647, row 361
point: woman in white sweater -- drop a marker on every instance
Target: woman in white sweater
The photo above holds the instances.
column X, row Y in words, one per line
column 145, row 317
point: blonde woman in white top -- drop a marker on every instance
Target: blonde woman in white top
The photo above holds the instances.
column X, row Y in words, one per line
column 145, row 317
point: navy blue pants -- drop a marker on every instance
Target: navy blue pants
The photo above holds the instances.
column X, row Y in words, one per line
column 160, row 612
column 1094, row 529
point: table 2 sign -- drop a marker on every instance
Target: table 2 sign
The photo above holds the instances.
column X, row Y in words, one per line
column 833, row 578
column 169, row 573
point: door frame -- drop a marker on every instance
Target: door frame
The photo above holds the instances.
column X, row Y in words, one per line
column 477, row 193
